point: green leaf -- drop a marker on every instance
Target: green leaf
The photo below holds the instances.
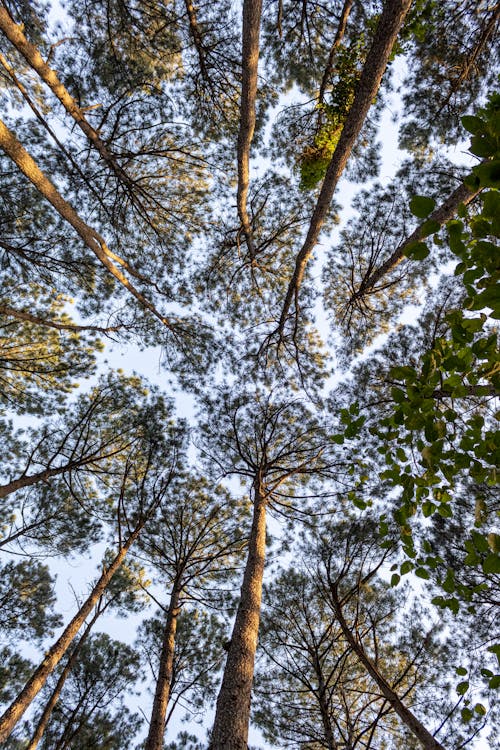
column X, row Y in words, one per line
column 445, row 511
column 462, row 687
column 461, row 671
column 406, row 567
column 492, row 564
column 491, row 204
column 395, row 579
column 488, row 174
column 473, row 124
column 483, row 145
column 431, row 226
column 466, row 714
column 422, row 573
column 417, row 251
column 421, row 206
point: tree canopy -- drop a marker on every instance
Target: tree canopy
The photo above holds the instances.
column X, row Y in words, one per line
column 296, row 204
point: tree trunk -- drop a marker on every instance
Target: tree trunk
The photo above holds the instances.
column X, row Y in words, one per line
column 92, row 239
column 344, row 16
column 164, row 681
column 51, row 703
column 390, row 23
column 15, row 35
column 252, row 10
column 30, row 318
column 323, row 707
column 42, row 476
column 54, row 655
column 232, row 717
column 404, row 713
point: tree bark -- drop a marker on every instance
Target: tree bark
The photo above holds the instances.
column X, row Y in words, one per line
column 232, row 717
column 164, row 681
column 404, row 713
column 12, row 312
column 54, row 655
column 252, row 11
column 390, row 22
column 323, row 707
column 15, row 151
column 51, row 703
column 43, row 476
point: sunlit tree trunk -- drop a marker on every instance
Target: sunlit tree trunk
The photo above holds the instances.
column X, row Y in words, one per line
column 414, row 725
column 164, row 681
column 52, row 702
column 391, row 20
column 54, row 655
column 232, row 717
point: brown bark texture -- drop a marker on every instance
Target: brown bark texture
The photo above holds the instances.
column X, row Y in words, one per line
column 232, row 717
column 52, row 702
column 57, row 651
column 42, row 476
column 252, row 11
column 404, row 713
column 391, row 20
column 27, row 317
column 344, row 17
column 164, row 681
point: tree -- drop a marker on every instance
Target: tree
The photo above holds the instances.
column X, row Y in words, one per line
column 123, row 594
column 132, row 497
column 194, row 551
column 178, row 170
column 336, row 669
column 277, row 446
column 91, row 708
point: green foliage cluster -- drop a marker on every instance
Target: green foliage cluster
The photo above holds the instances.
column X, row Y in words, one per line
column 314, row 159
column 453, row 447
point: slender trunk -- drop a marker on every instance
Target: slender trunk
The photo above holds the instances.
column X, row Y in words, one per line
column 252, row 11
column 232, row 717
column 404, row 713
column 487, row 32
column 27, row 165
column 164, row 681
column 31, row 54
column 390, row 22
column 197, row 37
column 323, row 707
column 51, row 703
column 54, row 655
column 442, row 214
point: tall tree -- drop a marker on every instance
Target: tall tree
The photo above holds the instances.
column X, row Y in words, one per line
column 194, row 550
column 276, row 445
